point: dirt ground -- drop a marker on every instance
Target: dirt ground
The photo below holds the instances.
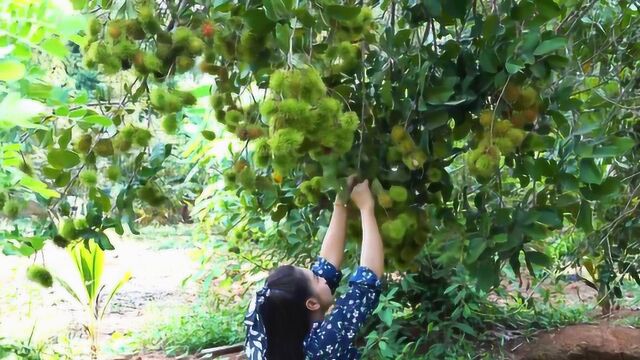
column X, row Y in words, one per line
column 603, row 341
column 157, row 276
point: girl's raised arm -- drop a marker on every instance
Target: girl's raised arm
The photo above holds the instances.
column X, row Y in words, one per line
column 372, row 254
column 334, row 240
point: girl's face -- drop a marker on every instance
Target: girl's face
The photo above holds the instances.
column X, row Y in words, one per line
column 321, row 290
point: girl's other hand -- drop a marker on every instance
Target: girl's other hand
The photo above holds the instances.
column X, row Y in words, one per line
column 342, row 198
column 362, row 197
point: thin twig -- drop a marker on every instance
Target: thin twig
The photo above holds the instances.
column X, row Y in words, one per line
column 495, row 109
column 174, row 17
column 435, row 38
column 570, row 16
column 364, row 93
column 575, row 21
column 393, row 16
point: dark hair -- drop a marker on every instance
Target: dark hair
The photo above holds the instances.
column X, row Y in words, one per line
column 285, row 315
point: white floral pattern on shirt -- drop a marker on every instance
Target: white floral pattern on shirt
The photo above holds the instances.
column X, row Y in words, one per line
column 333, row 337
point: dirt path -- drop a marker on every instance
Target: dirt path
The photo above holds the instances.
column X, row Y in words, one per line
column 157, row 276
column 602, row 341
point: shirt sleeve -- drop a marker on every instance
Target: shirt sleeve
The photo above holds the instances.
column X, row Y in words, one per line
column 323, row 268
column 333, row 338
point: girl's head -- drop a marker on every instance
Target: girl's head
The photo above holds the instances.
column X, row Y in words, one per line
column 297, row 296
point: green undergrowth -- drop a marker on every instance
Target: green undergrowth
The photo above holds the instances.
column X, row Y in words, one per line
column 189, row 328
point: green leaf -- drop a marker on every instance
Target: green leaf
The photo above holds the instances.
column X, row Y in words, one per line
column 539, row 70
column 536, row 231
column 283, row 36
column 305, row 17
column 457, row 9
column 38, row 91
column 490, row 27
column 11, row 70
column 550, row 45
column 201, row 91
column 556, row 61
column 523, row 11
column 277, row 9
column 618, row 146
column 623, row 144
column 37, row 242
column 402, row 37
column 55, row 47
column 513, row 66
column 488, row 61
column 78, row 113
column 432, row 7
column 125, row 279
column 62, row 110
column 548, row 9
column 102, row 241
column 568, row 182
column 465, row 328
column 386, row 94
column 65, row 138
column 538, row 258
column 529, row 41
column 514, row 261
column 549, row 216
column 102, row 199
column 536, row 142
column 436, row 120
column 79, row 40
column 386, row 316
column 79, row 4
column 15, row 111
column 608, row 189
column 439, row 94
column 487, row 273
column 63, row 159
column 257, row 21
column 585, row 217
column 130, row 219
column 590, row 172
column 69, row 290
column 50, row 172
column 38, row 187
column 89, row 260
column 476, row 247
column 69, row 25
column 98, row 120
column 62, row 179
column 584, row 149
column 341, row 12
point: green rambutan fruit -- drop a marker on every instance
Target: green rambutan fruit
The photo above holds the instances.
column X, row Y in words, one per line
column 40, row 275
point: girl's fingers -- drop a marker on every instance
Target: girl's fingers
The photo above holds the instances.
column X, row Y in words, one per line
column 361, row 187
column 352, row 180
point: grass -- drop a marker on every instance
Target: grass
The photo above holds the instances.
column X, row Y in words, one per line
column 30, row 350
column 186, row 329
column 163, row 237
column 214, row 318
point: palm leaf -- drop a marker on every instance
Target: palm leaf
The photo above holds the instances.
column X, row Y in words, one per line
column 127, row 276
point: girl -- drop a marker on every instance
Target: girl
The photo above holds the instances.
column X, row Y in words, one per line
column 286, row 320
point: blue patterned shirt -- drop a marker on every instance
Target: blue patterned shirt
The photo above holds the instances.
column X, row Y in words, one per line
column 332, row 338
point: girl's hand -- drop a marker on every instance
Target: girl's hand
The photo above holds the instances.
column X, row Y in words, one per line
column 362, row 197
column 352, row 180
column 343, row 196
